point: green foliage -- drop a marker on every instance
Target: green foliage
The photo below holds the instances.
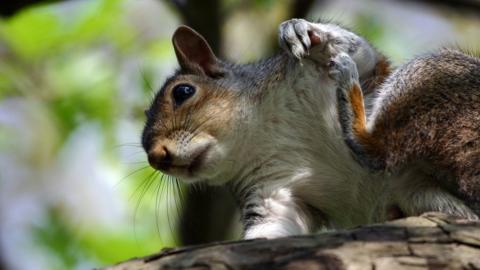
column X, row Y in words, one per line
column 58, row 238
column 68, row 59
column 369, row 27
column 85, row 90
column 45, row 31
column 264, row 3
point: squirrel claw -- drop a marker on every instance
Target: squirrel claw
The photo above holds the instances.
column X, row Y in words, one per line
column 294, row 37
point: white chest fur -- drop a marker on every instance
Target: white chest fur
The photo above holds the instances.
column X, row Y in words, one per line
column 305, row 164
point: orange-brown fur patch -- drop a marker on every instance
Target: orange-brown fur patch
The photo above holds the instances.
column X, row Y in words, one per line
column 380, row 73
column 359, row 122
column 382, row 69
column 356, row 99
column 210, row 110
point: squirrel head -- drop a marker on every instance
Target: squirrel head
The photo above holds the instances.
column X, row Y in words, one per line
column 189, row 128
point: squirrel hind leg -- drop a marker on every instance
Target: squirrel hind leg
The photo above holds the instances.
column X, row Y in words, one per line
column 366, row 149
column 416, row 192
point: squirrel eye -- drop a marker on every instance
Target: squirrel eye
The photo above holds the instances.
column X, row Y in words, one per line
column 182, row 92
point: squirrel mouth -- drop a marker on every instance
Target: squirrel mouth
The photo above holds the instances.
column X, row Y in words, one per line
column 193, row 167
column 198, row 161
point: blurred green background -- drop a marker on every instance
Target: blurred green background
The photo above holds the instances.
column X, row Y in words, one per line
column 75, row 77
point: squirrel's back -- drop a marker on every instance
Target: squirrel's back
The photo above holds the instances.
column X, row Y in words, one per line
column 428, row 111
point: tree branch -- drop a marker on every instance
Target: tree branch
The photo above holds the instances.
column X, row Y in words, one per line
column 431, row 241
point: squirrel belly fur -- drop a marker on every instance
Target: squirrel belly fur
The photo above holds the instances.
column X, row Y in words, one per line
column 277, row 133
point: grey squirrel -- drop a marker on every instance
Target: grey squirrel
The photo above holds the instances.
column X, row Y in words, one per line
column 270, row 131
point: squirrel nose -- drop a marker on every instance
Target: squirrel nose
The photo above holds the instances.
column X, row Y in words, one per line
column 159, row 157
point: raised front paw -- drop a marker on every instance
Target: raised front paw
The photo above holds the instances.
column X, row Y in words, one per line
column 297, row 36
column 343, row 69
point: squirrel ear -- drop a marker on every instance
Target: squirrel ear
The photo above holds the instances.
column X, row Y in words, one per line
column 194, row 54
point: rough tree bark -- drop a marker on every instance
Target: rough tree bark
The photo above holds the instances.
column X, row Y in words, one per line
column 431, row 241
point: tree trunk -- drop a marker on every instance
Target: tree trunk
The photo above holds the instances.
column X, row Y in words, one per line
column 431, row 241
